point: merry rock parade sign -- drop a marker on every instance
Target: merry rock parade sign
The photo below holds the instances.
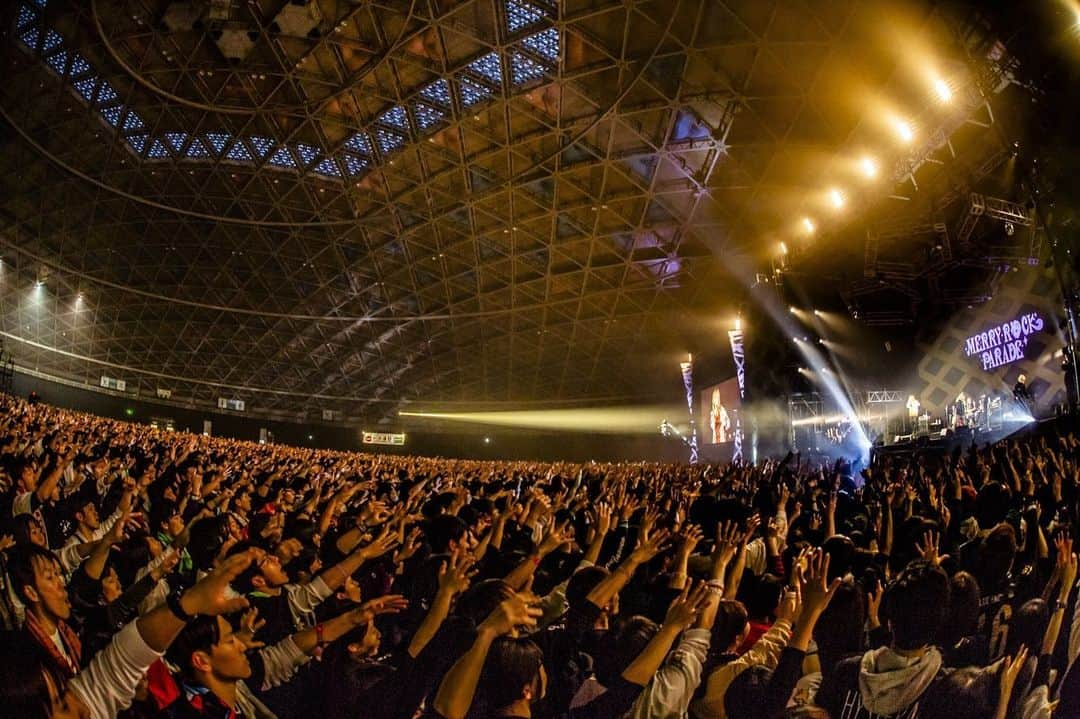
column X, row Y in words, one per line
column 1005, row 343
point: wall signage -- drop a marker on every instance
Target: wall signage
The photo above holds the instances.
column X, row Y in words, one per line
column 1005, row 343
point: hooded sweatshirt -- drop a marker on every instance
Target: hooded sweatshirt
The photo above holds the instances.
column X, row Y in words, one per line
column 880, row 683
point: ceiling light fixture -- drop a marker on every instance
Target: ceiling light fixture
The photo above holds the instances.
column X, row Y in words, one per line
column 942, row 90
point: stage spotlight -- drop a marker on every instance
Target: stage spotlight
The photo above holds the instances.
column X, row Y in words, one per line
column 792, row 310
column 869, row 167
column 808, row 225
column 821, row 341
column 783, row 248
column 904, row 130
column 836, row 198
column 487, row 440
column 795, row 339
column 817, row 313
column 942, row 90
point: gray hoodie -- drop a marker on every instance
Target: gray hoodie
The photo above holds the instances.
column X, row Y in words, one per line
column 889, row 682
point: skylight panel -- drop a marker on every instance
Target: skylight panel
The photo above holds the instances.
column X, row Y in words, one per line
column 472, row 92
column 395, row 117
column 360, row 143
column 58, row 61
column 106, row 93
column 79, row 65
column 488, row 67
column 29, row 37
column 132, row 121
column 197, row 150
column 524, row 70
column 282, row 158
column 427, row 116
column 238, row 152
column 86, row 87
column 306, row 153
column 52, row 41
column 217, row 140
column 25, row 17
column 176, row 140
column 157, row 150
column 388, row 141
column 545, row 44
column 112, row 114
column 354, row 165
column 437, row 92
column 327, row 167
column 262, row 145
column 521, row 14
column 137, row 142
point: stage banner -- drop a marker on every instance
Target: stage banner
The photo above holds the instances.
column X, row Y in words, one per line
column 386, row 438
column 688, row 382
column 737, row 354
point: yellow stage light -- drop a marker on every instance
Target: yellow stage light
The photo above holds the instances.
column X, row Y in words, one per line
column 869, row 167
column 942, row 90
column 836, row 198
column 808, row 225
column 903, row 130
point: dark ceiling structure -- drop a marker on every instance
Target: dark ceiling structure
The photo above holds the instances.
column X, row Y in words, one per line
column 329, row 209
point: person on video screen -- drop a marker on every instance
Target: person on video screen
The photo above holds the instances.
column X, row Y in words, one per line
column 719, row 419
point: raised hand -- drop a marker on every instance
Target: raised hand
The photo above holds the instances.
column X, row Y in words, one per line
column 212, row 596
column 387, row 604
column 814, row 586
column 648, row 520
column 555, row 536
column 752, row 524
column 382, row 544
column 1009, row 673
column 647, row 549
column 249, row 625
column 603, row 518
column 352, row 590
column 685, row 608
column 873, row 606
column 689, row 538
column 790, row 603
column 511, row 613
column 168, row 563
column 929, row 549
column 455, row 575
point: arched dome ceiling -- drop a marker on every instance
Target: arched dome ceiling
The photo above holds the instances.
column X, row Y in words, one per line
column 341, row 205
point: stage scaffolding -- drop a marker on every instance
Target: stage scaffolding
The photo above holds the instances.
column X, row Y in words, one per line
column 805, row 415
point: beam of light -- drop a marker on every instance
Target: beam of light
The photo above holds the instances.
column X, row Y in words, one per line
column 808, row 225
column 607, row 420
column 868, row 167
column 783, row 248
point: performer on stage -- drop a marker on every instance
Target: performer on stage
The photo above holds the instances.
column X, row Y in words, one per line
column 913, row 413
column 959, row 418
column 1023, row 396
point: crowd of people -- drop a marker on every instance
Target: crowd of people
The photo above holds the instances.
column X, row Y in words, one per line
column 148, row 573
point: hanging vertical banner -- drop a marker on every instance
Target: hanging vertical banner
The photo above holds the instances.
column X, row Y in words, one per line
column 688, row 382
column 736, row 338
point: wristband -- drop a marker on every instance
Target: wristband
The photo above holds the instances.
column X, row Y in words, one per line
column 319, row 642
column 174, row 605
